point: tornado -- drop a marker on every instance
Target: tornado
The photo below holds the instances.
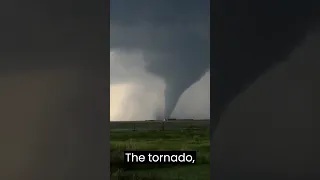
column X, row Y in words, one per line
column 266, row 65
column 174, row 37
column 250, row 46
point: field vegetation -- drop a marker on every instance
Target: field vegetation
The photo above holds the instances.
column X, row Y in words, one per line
column 191, row 135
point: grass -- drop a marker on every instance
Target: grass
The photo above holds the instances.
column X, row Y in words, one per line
column 159, row 125
column 177, row 139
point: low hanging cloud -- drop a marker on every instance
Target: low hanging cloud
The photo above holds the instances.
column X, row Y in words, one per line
column 159, row 61
column 136, row 94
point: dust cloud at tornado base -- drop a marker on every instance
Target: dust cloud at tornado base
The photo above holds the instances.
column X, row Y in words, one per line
column 136, row 94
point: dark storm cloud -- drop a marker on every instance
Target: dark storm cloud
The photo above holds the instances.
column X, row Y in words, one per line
column 173, row 35
column 266, row 73
column 54, row 77
column 251, row 38
column 159, row 12
column 31, row 30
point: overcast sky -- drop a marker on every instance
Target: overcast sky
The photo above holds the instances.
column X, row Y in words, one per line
column 159, row 50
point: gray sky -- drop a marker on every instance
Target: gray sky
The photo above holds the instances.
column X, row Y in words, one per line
column 53, row 79
column 159, row 50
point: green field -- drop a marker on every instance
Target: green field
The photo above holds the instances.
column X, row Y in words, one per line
column 178, row 135
column 158, row 125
